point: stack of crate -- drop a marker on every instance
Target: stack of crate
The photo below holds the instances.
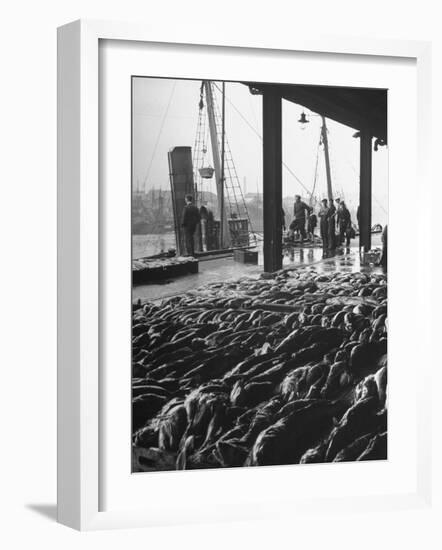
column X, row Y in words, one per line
column 246, row 256
column 239, row 232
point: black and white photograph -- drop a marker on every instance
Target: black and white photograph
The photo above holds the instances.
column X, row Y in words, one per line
column 230, row 335
column 259, row 274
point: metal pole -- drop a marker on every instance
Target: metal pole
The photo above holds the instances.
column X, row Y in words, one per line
column 327, row 159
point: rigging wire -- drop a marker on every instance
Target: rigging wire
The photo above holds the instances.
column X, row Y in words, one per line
column 233, row 189
column 289, row 170
column 373, row 195
column 316, row 170
column 159, row 135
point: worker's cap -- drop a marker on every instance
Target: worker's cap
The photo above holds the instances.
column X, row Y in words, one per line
column 297, row 196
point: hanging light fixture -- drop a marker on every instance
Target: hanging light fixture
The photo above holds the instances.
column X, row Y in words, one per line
column 303, row 120
column 379, row 142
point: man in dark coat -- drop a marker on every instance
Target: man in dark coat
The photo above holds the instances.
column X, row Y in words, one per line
column 331, row 220
column 299, row 211
column 383, row 261
column 312, row 222
column 191, row 218
column 343, row 219
column 323, row 224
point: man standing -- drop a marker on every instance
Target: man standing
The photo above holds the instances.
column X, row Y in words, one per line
column 191, row 218
column 323, row 224
column 299, row 212
column 204, row 216
column 312, row 222
column 331, row 221
column 343, row 219
column 337, row 205
column 383, row 261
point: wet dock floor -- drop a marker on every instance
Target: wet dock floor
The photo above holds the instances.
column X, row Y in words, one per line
column 223, row 269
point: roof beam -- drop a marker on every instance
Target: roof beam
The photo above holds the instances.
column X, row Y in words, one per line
column 361, row 109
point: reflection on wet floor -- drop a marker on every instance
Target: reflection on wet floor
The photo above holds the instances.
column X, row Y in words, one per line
column 299, row 255
column 346, row 260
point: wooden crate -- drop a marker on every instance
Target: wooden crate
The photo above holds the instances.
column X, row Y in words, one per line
column 239, row 231
column 246, row 256
column 371, row 257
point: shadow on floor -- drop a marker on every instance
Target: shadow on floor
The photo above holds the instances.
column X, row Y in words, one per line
column 48, row 511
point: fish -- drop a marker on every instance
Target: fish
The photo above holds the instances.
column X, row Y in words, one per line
column 171, row 428
column 251, row 394
column 381, row 381
column 376, row 448
column 152, row 459
column 357, row 420
column 363, row 356
column 246, row 364
column 275, row 373
column 244, row 385
column 231, row 453
column 287, row 440
column 315, row 455
column 142, row 389
column 144, row 407
column 352, row 451
column 146, row 436
column 367, row 387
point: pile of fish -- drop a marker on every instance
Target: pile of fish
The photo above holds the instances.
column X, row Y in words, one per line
column 161, row 263
column 148, row 270
column 289, row 368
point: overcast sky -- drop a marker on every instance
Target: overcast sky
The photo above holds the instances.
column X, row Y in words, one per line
column 165, row 115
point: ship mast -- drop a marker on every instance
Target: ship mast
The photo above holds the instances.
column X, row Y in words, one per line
column 218, row 162
column 327, row 158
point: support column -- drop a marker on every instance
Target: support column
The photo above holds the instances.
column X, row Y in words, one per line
column 365, row 190
column 272, row 180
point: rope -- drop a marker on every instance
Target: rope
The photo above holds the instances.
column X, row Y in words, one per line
column 159, row 135
column 234, row 191
column 373, row 195
column 289, row 170
column 316, row 171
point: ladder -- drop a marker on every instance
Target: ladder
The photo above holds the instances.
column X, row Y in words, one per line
column 234, row 201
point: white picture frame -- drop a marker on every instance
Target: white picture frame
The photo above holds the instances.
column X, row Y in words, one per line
column 79, row 254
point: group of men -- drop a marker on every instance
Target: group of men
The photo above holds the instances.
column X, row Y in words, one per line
column 334, row 222
column 191, row 217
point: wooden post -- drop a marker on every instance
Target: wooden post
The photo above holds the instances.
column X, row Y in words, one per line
column 365, row 190
column 272, row 180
